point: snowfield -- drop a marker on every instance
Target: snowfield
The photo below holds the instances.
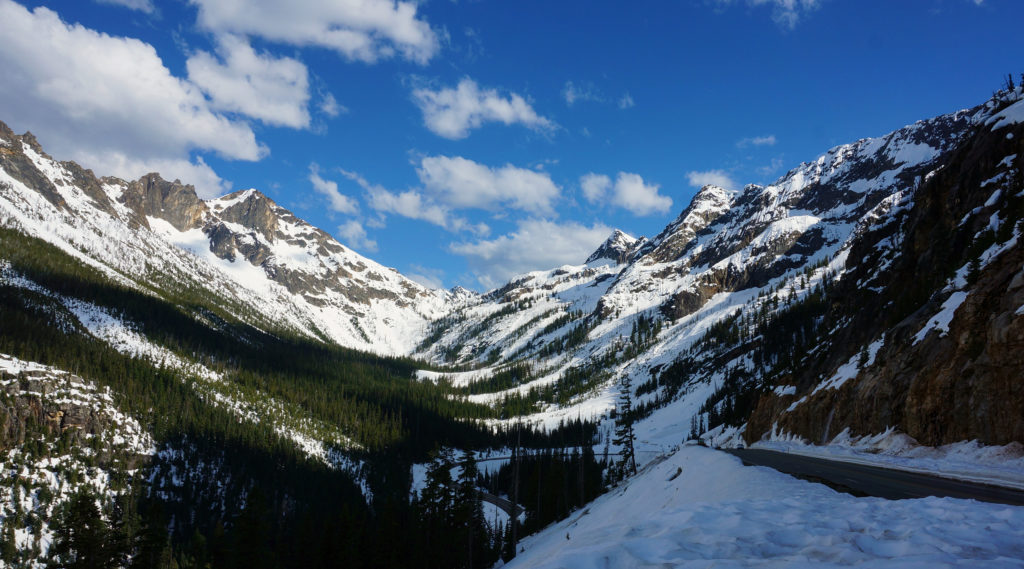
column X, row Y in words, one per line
column 700, row 508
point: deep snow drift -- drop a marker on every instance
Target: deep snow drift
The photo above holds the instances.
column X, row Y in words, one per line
column 700, row 508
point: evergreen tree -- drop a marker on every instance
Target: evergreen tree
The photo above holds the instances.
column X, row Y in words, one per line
column 624, row 436
column 82, row 537
column 8, row 545
column 469, row 516
column 436, row 511
column 973, row 270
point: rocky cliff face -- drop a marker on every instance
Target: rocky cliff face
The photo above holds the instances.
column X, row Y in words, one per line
column 27, row 405
column 940, row 289
column 39, row 403
column 174, row 202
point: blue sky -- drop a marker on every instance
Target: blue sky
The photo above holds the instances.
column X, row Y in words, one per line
column 463, row 142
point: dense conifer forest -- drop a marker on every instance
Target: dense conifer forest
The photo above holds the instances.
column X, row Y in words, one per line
column 222, row 492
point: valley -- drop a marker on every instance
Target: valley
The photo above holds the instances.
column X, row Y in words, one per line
column 219, row 383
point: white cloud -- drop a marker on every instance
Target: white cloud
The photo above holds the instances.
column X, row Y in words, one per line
column 140, row 5
column 109, row 102
column 629, row 192
column 535, row 244
column 354, row 235
column 409, row 204
column 207, row 183
column 271, row 89
column 786, row 13
column 338, row 201
column 640, row 198
column 595, row 186
column 330, row 106
column 460, row 183
column 363, row 30
column 430, row 278
column 768, row 140
column 583, row 92
column 626, row 102
column 414, row 205
column 452, row 113
column 712, row 178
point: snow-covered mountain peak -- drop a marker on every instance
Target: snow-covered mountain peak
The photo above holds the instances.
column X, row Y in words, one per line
column 617, row 249
column 173, row 202
column 707, row 205
column 269, row 267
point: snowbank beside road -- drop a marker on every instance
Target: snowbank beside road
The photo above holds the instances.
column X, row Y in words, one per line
column 702, row 508
column 966, row 460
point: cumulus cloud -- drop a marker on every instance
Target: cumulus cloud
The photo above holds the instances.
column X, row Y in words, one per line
column 109, row 102
column 768, row 140
column 595, row 186
column 353, row 234
column 272, row 89
column 453, row 112
column 338, row 201
column 414, row 205
column 626, row 102
column 460, row 183
column 629, row 191
column 140, row 5
column 362, row 30
column 786, row 13
column 640, row 198
column 411, row 204
column 535, row 244
column 712, row 178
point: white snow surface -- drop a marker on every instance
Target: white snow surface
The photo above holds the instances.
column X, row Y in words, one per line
column 1010, row 115
column 943, row 317
column 700, row 508
column 365, row 306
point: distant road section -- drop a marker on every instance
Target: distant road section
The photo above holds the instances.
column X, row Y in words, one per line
column 862, row 480
column 508, row 506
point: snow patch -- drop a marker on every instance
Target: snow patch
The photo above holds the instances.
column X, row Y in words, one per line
column 942, row 319
column 1008, row 116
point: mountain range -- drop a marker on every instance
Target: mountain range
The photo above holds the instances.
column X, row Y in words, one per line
column 876, row 288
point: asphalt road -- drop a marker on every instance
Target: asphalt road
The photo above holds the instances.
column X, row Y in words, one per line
column 861, row 480
column 501, row 503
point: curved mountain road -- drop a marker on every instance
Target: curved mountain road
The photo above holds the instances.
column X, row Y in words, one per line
column 863, row 480
column 502, row 503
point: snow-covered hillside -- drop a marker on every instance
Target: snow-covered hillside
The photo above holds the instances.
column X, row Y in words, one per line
column 701, row 508
column 72, row 437
column 703, row 319
column 693, row 316
column 260, row 262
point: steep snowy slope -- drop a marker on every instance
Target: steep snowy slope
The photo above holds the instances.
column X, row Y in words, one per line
column 730, row 299
column 263, row 264
column 702, row 508
column 61, row 434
